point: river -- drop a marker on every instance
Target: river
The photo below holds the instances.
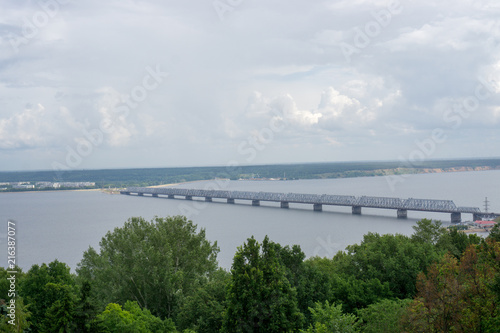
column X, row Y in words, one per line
column 63, row 224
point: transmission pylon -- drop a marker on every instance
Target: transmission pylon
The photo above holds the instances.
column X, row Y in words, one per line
column 486, row 205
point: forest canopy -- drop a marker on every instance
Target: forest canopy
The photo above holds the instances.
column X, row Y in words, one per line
column 162, row 276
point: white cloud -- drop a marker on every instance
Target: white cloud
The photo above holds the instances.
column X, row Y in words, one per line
column 335, row 106
column 454, row 34
column 152, row 126
column 115, row 118
column 335, row 112
column 286, row 108
column 85, row 59
column 36, row 127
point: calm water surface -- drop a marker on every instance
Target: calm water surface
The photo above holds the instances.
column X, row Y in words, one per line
column 63, row 224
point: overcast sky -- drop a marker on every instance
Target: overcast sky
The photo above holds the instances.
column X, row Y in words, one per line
column 159, row 83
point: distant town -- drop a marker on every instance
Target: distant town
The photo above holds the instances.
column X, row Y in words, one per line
column 26, row 186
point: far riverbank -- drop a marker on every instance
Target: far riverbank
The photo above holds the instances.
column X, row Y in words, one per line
column 122, row 178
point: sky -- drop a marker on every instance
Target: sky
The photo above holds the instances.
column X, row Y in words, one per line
column 162, row 83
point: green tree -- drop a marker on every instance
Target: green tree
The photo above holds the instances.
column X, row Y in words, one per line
column 438, row 308
column 330, row 318
column 154, row 263
column 132, row 319
column 428, row 231
column 115, row 319
column 5, row 283
column 384, row 316
column 21, row 312
column 60, row 311
column 203, row 311
column 451, row 240
column 19, row 323
column 37, row 289
column 356, row 293
column 392, row 259
column 340, row 285
column 456, row 242
column 315, row 284
column 495, row 231
column 312, row 285
column 85, row 311
column 489, row 261
column 260, row 297
column 457, row 296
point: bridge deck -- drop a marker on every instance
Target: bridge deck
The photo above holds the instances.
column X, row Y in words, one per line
column 430, row 205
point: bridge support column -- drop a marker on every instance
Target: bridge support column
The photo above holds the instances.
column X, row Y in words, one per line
column 402, row 214
column 284, row 204
column 230, row 201
column 208, row 199
column 255, row 202
column 171, row 196
column 456, row 217
column 155, row 195
column 356, row 210
column 125, row 192
column 140, row 194
column 189, row 197
column 476, row 216
column 317, row 207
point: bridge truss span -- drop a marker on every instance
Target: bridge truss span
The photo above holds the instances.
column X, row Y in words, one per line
column 317, row 200
column 431, row 205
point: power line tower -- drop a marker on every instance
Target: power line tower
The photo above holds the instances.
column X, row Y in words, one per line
column 486, row 205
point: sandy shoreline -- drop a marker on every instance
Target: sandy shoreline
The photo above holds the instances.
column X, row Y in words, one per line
column 164, row 185
column 181, row 183
column 41, row 191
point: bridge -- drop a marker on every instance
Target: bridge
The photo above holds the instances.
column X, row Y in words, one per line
column 402, row 206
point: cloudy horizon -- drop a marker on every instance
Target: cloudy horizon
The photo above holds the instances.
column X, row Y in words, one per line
column 124, row 84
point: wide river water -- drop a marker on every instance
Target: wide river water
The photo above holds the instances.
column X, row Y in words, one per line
column 63, row 224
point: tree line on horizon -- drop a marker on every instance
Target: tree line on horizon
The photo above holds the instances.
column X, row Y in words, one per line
column 162, row 276
column 155, row 176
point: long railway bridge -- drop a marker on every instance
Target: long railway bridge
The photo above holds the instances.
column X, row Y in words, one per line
column 402, row 206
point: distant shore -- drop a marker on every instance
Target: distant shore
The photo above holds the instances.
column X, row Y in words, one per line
column 179, row 183
column 112, row 181
column 53, row 190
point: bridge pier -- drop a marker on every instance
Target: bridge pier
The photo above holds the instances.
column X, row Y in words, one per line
column 356, row 210
column 356, row 203
column 456, row 217
column 402, row 214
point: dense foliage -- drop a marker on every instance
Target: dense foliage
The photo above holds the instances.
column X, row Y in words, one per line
column 154, row 263
column 259, row 295
column 459, row 295
column 162, row 276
